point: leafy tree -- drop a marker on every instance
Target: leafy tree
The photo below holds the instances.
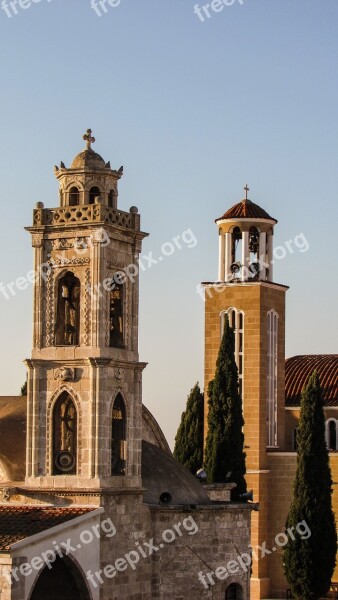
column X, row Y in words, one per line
column 224, row 452
column 189, row 438
column 309, row 563
column 23, row 390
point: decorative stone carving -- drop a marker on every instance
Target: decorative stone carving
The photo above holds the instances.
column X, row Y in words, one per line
column 119, row 374
column 62, row 244
column 65, row 374
column 115, row 264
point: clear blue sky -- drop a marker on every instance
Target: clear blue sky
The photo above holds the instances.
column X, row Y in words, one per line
column 193, row 111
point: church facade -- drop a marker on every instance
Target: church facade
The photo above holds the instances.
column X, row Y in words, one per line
column 92, row 504
column 246, row 291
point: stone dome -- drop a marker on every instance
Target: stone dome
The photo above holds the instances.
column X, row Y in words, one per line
column 88, row 158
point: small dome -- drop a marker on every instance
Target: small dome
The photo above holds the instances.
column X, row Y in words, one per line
column 246, row 210
column 88, row 158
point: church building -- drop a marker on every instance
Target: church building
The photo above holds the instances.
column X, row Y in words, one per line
column 247, row 292
column 92, row 504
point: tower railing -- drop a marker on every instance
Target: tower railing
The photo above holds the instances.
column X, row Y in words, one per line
column 88, row 213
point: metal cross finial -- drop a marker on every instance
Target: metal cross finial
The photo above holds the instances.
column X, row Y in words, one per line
column 89, row 138
column 246, row 189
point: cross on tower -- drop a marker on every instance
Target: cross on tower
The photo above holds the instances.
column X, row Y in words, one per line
column 246, row 189
column 89, row 138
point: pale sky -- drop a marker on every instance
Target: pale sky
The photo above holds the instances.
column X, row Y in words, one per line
column 193, row 110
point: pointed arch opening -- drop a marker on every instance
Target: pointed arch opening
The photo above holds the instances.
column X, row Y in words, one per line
column 64, row 436
column 64, row 580
column 68, row 311
column 118, row 437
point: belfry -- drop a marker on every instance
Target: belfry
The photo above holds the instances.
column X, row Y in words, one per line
column 245, row 290
column 85, row 333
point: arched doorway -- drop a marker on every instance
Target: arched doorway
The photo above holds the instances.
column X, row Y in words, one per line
column 234, row 592
column 62, row 582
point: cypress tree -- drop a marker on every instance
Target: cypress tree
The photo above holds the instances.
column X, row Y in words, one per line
column 189, row 438
column 224, row 452
column 309, row 563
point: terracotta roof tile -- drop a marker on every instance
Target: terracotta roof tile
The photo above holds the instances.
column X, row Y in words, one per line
column 246, row 210
column 20, row 522
column 298, row 370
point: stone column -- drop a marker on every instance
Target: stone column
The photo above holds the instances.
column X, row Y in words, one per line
column 262, row 256
column 245, row 255
column 270, row 256
column 221, row 256
column 228, row 255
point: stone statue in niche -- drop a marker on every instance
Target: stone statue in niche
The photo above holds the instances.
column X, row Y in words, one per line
column 116, row 317
column 68, row 311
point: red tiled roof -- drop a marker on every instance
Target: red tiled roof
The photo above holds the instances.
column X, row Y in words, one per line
column 20, row 522
column 298, row 370
column 246, row 210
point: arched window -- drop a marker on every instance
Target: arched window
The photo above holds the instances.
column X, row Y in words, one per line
column 74, row 196
column 118, row 435
column 64, row 436
column 111, row 199
column 93, row 193
column 236, row 321
column 68, row 311
column 332, row 435
column 234, row 592
column 116, row 316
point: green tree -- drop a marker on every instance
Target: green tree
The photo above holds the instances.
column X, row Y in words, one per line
column 309, row 563
column 189, row 438
column 23, row 391
column 224, row 452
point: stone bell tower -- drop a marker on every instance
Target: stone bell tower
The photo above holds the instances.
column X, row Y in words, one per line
column 245, row 291
column 84, row 375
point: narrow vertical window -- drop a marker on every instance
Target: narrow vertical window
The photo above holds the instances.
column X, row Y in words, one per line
column 236, row 322
column 118, row 449
column 64, row 436
column 294, row 439
column 68, row 311
column 272, row 368
column 111, row 199
column 332, row 435
column 116, row 316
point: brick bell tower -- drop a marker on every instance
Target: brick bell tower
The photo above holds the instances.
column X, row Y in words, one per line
column 245, row 291
column 84, row 375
